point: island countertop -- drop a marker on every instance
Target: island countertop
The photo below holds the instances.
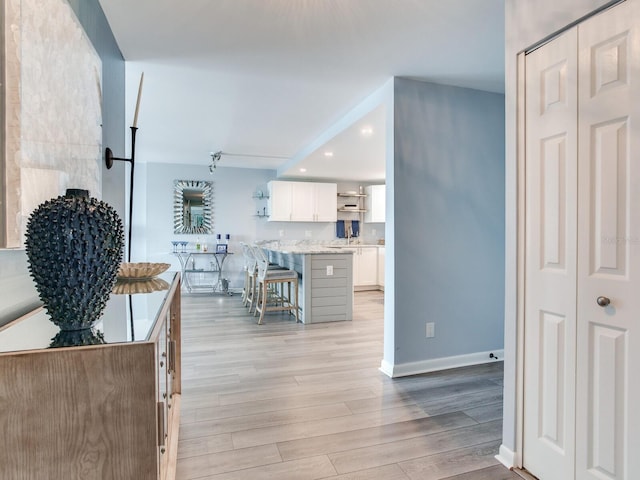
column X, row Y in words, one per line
column 318, row 249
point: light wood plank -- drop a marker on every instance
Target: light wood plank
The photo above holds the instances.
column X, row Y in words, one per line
column 203, row 465
column 305, row 469
column 400, row 451
column 371, row 436
column 451, row 463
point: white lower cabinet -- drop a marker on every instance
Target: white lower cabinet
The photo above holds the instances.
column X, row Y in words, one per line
column 365, row 267
column 381, row 267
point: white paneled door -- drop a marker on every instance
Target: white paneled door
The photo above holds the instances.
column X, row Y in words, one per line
column 550, row 268
column 582, row 251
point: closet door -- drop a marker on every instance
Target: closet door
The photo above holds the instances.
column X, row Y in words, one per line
column 608, row 347
column 582, row 251
column 550, row 259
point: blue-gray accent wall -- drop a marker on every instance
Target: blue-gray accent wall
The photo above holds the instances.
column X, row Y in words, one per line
column 448, row 220
column 18, row 293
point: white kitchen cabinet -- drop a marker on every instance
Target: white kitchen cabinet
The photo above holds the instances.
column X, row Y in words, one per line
column 326, row 198
column 280, row 201
column 302, row 201
column 365, row 267
column 381, row 267
column 375, row 204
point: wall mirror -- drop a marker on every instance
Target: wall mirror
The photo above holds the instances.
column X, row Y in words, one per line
column 193, row 207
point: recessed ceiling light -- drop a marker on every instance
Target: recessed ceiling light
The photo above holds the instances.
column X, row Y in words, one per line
column 366, row 131
column 328, row 154
column 302, row 170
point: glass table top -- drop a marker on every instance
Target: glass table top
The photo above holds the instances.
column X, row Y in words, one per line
column 128, row 317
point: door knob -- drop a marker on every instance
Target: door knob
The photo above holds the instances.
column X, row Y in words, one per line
column 603, row 301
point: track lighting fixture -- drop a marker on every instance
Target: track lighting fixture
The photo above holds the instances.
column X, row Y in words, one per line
column 215, row 158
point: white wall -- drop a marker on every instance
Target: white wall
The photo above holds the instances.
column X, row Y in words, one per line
column 526, row 24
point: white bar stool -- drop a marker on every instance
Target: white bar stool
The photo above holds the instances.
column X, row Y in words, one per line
column 269, row 299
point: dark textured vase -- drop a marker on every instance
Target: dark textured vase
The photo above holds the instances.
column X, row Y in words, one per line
column 74, row 247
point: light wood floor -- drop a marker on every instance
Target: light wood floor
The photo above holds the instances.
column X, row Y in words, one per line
column 294, row 402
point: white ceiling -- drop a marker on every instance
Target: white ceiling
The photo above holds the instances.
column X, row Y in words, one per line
column 261, row 78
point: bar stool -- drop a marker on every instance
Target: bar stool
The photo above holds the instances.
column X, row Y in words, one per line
column 270, row 299
column 249, row 268
column 252, row 253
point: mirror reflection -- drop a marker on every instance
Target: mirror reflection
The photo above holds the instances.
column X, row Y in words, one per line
column 192, row 207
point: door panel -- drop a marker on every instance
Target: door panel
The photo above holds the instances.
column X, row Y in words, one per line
column 608, row 164
column 554, row 200
column 550, row 258
column 608, row 433
column 551, row 421
column 606, row 401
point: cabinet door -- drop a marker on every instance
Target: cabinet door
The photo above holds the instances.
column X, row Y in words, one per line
column 381, row 266
column 326, row 202
column 303, row 201
column 280, row 201
column 375, row 204
column 367, row 266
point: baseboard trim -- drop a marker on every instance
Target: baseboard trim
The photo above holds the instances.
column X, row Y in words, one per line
column 506, row 457
column 386, row 368
column 436, row 364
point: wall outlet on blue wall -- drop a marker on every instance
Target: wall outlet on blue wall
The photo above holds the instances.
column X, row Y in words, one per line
column 431, row 329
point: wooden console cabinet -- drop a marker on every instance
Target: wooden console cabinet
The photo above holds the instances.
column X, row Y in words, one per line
column 108, row 411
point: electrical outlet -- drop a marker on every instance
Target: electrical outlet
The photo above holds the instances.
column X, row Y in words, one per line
column 431, row 329
column 329, row 270
column 373, row 232
column 281, row 232
column 307, row 233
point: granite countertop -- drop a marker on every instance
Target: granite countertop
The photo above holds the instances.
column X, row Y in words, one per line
column 311, row 249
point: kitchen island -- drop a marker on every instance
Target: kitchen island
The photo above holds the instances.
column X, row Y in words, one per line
column 325, row 280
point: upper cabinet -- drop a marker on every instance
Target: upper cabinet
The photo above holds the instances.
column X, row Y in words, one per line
column 302, row 201
column 280, row 201
column 375, row 204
